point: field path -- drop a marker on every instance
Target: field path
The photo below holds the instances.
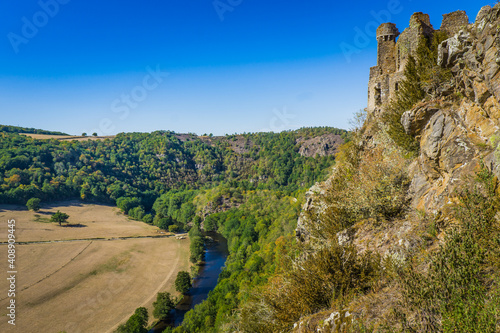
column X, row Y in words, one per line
column 86, row 239
column 90, row 276
column 152, row 297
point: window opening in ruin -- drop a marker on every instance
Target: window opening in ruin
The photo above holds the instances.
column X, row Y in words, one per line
column 378, row 96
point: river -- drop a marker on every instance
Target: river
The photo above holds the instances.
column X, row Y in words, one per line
column 215, row 257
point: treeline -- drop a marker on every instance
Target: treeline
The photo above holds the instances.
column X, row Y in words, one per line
column 16, row 129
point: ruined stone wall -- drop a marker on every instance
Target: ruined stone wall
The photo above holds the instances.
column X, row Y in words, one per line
column 454, row 22
column 391, row 58
column 420, row 26
column 379, row 92
column 394, row 52
column 373, row 94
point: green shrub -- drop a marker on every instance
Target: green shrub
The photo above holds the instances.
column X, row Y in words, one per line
column 137, row 323
column 459, row 293
column 163, row 304
column 330, row 277
column 148, row 218
column 173, row 228
column 33, row 204
column 127, row 203
column 137, row 213
column 197, row 249
column 183, row 282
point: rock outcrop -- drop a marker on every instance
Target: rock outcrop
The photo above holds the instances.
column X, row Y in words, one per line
column 324, row 145
column 458, row 130
column 456, row 133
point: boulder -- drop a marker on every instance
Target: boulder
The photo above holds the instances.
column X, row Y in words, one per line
column 414, row 120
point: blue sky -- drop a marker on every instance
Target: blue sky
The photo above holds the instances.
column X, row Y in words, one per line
column 202, row 66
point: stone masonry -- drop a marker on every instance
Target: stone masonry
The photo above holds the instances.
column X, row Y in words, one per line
column 393, row 52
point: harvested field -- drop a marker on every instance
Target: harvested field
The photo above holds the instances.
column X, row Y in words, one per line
column 67, row 137
column 93, row 277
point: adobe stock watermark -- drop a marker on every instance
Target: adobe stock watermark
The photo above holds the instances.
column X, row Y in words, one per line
column 30, row 27
column 223, row 6
column 11, row 271
column 280, row 122
column 365, row 36
column 123, row 105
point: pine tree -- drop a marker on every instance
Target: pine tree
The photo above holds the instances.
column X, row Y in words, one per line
column 422, row 77
column 410, row 88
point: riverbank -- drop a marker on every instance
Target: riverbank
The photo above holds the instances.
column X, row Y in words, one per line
column 216, row 252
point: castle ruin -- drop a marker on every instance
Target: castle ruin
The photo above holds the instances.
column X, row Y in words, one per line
column 394, row 49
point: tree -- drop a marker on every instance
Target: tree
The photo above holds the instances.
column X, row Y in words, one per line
column 410, row 92
column 94, row 134
column 197, row 249
column 163, row 304
column 164, row 222
column 148, row 218
column 137, row 323
column 173, row 228
column 84, row 134
column 137, row 213
column 33, row 204
column 127, row 203
column 59, row 217
column 183, row 282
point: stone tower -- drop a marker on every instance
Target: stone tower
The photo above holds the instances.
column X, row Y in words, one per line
column 380, row 75
column 420, row 26
column 386, row 39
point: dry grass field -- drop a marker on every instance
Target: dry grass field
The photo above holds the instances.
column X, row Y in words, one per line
column 67, row 137
column 88, row 276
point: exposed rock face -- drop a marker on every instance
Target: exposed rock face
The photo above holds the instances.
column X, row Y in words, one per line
column 301, row 231
column 448, row 155
column 453, row 48
column 324, row 322
column 324, row 145
column 414, row 120
column 455, row 137
column 457, row 131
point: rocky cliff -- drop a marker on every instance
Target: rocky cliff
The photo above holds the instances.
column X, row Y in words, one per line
column 458, row 130
column 455, row 134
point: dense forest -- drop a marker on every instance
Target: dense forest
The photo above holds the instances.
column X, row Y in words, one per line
column 260, row 236
column 144, row 166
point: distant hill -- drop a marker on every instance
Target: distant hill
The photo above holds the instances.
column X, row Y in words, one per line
column 17, row 129
column 146, row 165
